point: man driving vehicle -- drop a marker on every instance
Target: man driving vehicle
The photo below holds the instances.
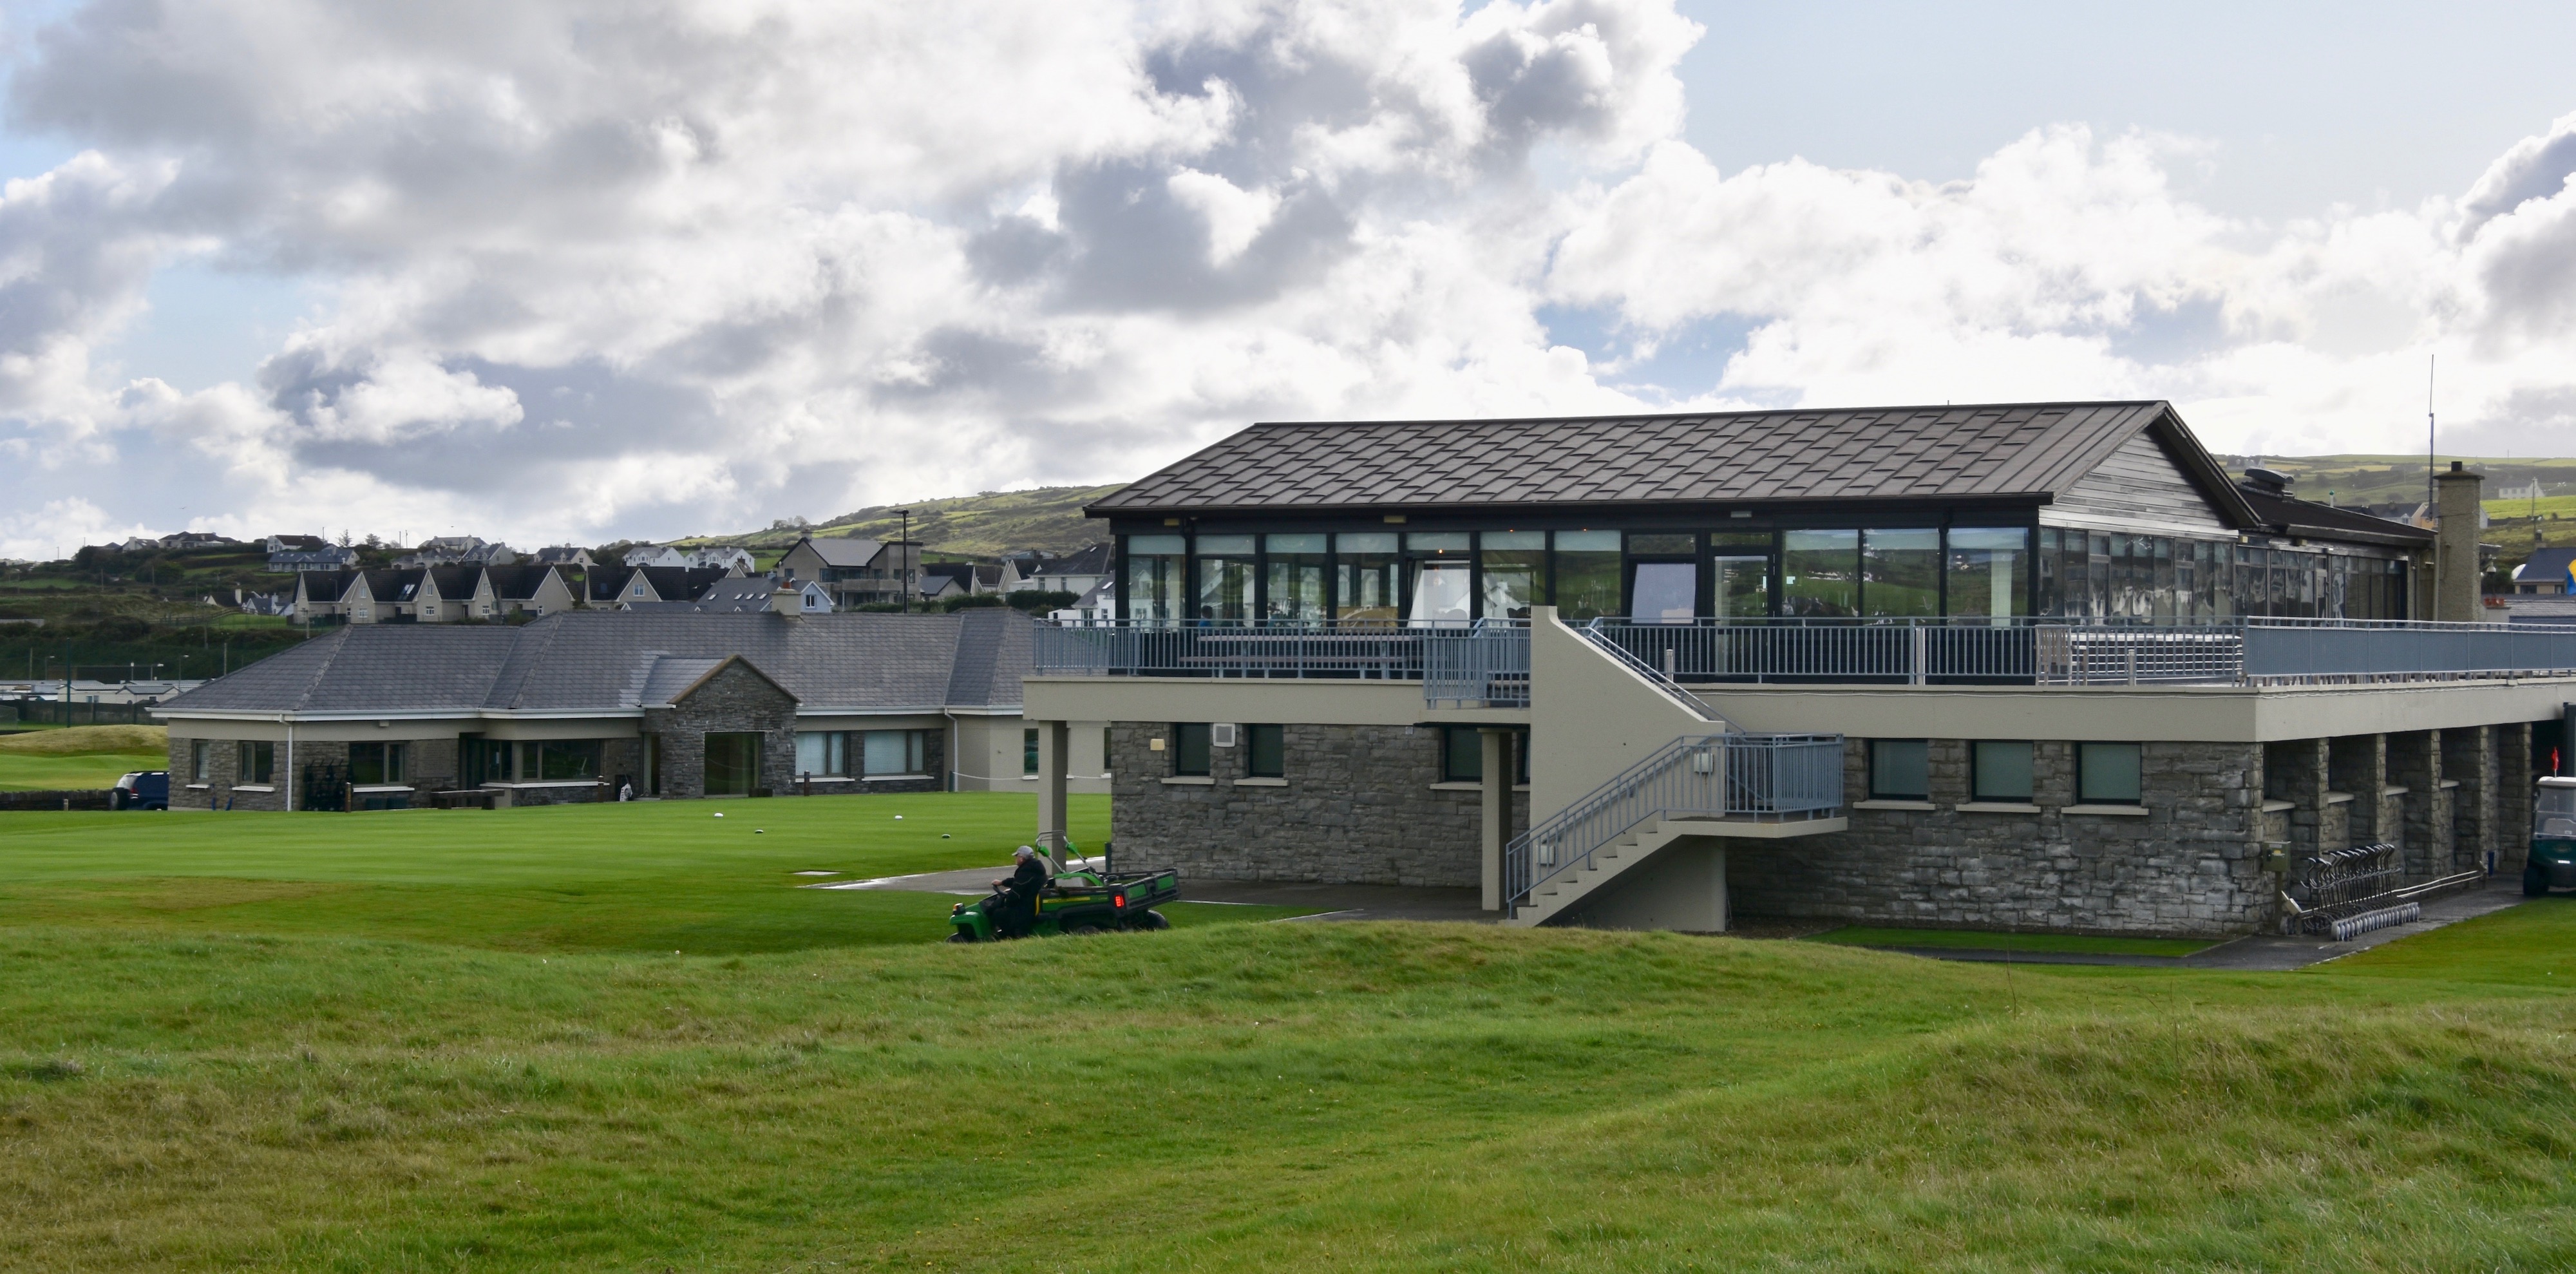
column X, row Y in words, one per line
column 1020, row 893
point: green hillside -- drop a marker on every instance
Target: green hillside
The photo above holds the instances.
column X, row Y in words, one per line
column 984, row 525
column 2518, row 525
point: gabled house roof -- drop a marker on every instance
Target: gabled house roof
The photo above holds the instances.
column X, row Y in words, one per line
column 455, row 583
column 398, row 585
column 608, row 662
column 2010, row 451
column 516, row 583
column 2546, row 564
column 841, row 550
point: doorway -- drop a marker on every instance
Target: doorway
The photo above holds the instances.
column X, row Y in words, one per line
column 733, row 764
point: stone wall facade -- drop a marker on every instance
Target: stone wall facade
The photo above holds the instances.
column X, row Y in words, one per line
column 2192, row 863
column 735, row 700
column 1358, row 805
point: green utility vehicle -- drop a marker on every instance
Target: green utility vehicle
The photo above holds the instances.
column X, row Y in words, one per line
column 1075, row 899
column 2553, row 838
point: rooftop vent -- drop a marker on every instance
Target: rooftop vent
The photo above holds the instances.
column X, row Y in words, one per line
column 2269, row 481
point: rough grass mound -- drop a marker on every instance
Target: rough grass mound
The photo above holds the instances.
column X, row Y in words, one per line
column 85, row 740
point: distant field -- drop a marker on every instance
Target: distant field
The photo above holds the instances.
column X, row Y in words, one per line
column 79, row 757
column 619, row 1038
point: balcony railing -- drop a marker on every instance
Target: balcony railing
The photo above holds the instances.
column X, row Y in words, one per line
column 1487, row 664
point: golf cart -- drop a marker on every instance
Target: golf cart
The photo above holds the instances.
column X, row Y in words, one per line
column 2553, row 837
column 1075, row 899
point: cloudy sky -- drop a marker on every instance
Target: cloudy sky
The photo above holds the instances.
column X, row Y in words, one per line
column 590, row 269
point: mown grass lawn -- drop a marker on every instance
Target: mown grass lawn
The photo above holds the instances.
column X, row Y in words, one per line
column 1997, row 940
column 83, row 772
column 465, row 1044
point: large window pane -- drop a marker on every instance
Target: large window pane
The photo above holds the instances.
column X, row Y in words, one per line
column 1515, row 567
column 1741, row 580
column 812, row 753
column 1989, row 570
column 1441, row 592
column 1462, row 754
column 1587, row 574
column 1265, row 754
column 2001, row 771
column 1293, row 591
column 2106, row 773
column 883, row 752
column 1820, row 573
column 579, row 758
column 1191, row 754
column 1225, row 578
column 1900, row 769
column 1665, row 593
column 1153, row 584
column 1364, row 584
column 732, row 763
column 1901, row 572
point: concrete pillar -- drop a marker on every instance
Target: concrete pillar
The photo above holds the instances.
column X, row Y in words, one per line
column 1498, row 772
column 1053, row 747
column 2455, row 552
column 2468, row 768
column 2513, row 776
column 2415, row 778
column 2358, row 765
column 2295, row 771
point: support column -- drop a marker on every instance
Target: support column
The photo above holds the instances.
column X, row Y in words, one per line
column 2514, row 774
column 1053, row 743
column 1498, row 771
column 2415, row 766
column 2359, row 767
column 2295, row 771
column 2468, row 764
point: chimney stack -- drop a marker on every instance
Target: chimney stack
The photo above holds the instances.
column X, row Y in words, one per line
column 2455, row 551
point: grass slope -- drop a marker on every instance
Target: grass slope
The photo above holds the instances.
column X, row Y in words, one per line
column 190, row 1089
column 985, row 525
column 79, row 757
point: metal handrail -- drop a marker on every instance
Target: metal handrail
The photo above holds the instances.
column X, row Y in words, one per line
column 1660, row 678
column 1766, row 777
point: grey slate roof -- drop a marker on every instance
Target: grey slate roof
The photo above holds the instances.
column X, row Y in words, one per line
column 2288, row 515
column 1999, row 450
column 610, row 661
column 844, row 550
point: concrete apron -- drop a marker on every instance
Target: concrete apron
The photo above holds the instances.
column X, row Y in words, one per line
column 2261, row 953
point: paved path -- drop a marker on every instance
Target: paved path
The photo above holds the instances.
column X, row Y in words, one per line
column 2264, row 952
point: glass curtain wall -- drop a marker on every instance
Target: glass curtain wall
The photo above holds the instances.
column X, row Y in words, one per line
column 1439, row 575
column 1900, row 572
column 1365, row 578
column 1225, row 564
column 1514, row 567
column 1739, row 574
column 1988, row 572
column 1154, row 578
column 1293, row 581
column 1820, row 574
column 1587, row 574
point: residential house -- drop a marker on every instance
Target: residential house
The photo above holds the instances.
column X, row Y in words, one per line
column 1098, row 606
column 136, row 544
column 940, row 581
column 566, row 556
column 2041, row 666
column 532, row 590
column 749, row 595
column 288, row 554
column 2547, row 572
column 191, row 540
column 320, row 596
column 582, row 705
column 656, row 555
column 611, row 587
column 458, row 550
column 856, row 571
column 1076, row 573
column 728, row 557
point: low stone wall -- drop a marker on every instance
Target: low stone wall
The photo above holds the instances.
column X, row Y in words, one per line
column 79, row 799
column 2191, row 864
column 1357, row 806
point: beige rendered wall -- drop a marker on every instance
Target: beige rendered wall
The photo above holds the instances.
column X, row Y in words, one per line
column 1681, row 887
column 2178, row 714
column 1591, row 717
column 988, row 756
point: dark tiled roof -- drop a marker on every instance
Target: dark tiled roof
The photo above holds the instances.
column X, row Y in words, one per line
column 608, row 583
column 2009, row 450
column 2549, row 564
column 683, row 583
column 2287, row 516
column 401, row 585
column 607, row 661
column 515, row 583
column 455, row 583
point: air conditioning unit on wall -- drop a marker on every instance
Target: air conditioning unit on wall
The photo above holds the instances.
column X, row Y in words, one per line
column 1221, row 735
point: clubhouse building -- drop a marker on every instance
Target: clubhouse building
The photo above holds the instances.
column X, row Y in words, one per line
column 2042, row 665
column 589, row 705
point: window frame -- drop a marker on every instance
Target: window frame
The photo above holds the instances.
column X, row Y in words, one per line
column 1189, row 737
column 201, row 761
column 1269, row 739
column 1878, row 791
column 1978, row 777
column 2084, row 764
column 1029, row 752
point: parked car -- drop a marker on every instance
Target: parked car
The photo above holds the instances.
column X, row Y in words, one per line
column 141, row 790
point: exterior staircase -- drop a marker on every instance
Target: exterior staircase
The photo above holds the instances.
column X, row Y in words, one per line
column 1734, row 784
